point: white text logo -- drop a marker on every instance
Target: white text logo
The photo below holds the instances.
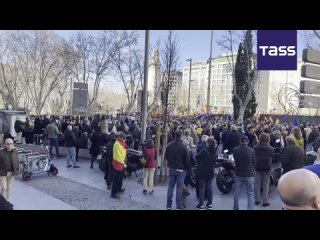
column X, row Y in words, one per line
column 278, row 50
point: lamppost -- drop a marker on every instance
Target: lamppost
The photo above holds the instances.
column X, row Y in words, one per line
column 190, row 60
column 145, row 89
column 209, row 78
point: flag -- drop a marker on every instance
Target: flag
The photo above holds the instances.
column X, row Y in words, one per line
column 296, row 123
column 257, row 118
column 277, row 121
column 270, row 120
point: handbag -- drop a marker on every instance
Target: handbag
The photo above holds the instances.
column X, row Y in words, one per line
column 143, row 161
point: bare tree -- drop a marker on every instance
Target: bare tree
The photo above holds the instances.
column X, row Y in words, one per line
column 93, row 56
column 129, row 67
column 11, row 85
column 170, row 64
column 58, row 102
column 42, row 59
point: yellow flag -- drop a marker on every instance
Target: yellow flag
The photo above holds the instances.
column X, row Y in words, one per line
column 270, row 119
column 277, row 121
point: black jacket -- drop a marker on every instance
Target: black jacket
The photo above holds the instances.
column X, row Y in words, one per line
column 97, row 141
column 69, row 139
column 64, row 126
column 292, row 158
column 76, row 134
column 18, row 126
column 83, row 142
column 316, row 144
column 136, row 135
column 177, row 156
column 216, row 135
column 44, row 123
column 201, row 146
column 252, row 139
column 313, row 136
column 95, row 123
column 224, row 136
column 233, row 140
column 244, row 159
column 206, row 160
column 37, row 126
column 263, row 157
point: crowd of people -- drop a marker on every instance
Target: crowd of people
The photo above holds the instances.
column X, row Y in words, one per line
column 192, row 144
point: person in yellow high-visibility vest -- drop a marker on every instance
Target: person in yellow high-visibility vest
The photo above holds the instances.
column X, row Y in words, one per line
column 118, row 164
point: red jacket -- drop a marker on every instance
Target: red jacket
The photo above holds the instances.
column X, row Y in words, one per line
column 151, row 157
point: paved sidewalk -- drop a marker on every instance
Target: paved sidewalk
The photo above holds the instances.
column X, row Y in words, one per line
column 25, row 197
column 43, row 192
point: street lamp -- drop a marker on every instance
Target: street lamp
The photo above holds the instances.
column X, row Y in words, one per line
column 190, row 60
column 209, row 78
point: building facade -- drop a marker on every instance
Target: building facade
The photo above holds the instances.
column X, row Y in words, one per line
column 268, row 87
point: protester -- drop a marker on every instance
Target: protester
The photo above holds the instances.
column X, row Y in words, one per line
column 177, row 157
column 262, row 165
column 244, row 160
column 9, row 167
column 150, row 155
column 206, row 160
column 293, row 156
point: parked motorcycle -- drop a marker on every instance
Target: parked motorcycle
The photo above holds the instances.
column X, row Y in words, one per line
column 310, row 157
column 226, row 177
column 133, row 160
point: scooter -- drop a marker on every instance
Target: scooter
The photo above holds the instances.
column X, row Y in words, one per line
column 35, row 164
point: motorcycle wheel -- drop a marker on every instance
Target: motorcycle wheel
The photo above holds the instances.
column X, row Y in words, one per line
column 54, row 171
column 223, row 181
